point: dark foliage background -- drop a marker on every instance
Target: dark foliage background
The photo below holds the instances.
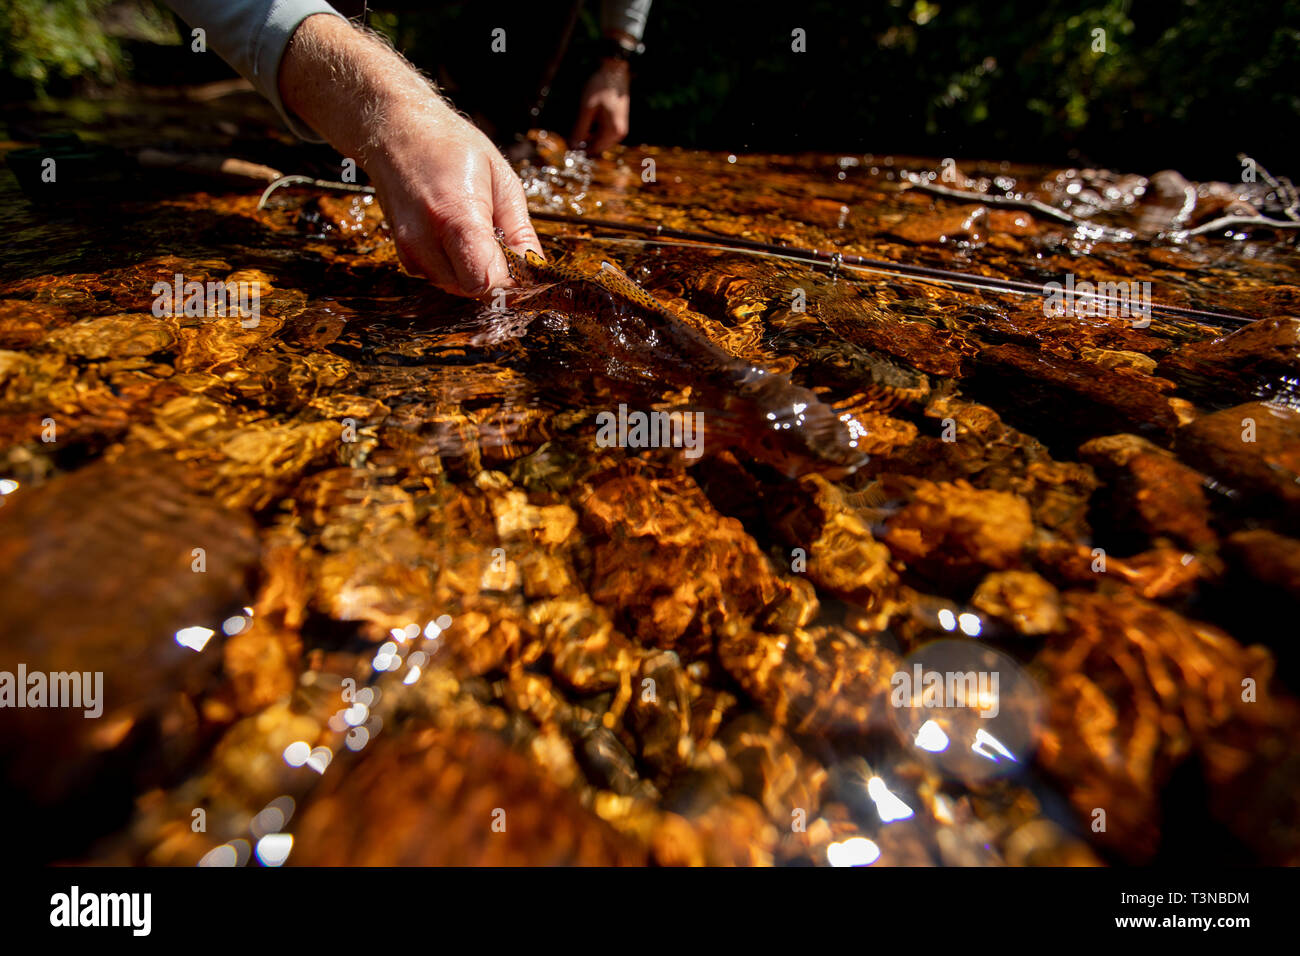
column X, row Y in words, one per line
column 1182, row 83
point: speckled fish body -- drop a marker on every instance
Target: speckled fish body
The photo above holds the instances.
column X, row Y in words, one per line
column 783, row 424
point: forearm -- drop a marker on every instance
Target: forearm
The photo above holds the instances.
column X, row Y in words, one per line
column 346, row 82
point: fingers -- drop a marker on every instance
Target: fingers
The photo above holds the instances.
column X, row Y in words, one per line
column 472, row 249
column 510, row 210
column 467, row 233
column 609, row 115
column 582, row 128
column 422, row 257
column 468, row 261
column 618, row 118
column 469, row 242
column 445, row 212
column 442, row 273
column 607, row 134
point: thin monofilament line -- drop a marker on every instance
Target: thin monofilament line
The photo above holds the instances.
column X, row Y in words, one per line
column 762, row 253
column 836, row 260
column 987, row 286
column 881, row 266
column 959, row 283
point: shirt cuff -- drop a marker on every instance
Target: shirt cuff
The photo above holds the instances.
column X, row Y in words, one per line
column 269, row 45
column 628, row 16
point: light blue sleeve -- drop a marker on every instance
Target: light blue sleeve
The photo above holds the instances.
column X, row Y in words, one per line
column 251, row 35
column 630, row 16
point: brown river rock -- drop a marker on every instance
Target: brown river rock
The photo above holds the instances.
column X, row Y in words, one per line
column 1268, row 557
column 1152, row 489
column 954, row 528
column 817, row 681
column 1112, row 399
column 1261, row 354
column 178, row 560
column 437, row 798
column 842, row 555
column 677, row 568
column 1134, row 690
column 1252, row 448
column 112, row 336
column 1022, row 599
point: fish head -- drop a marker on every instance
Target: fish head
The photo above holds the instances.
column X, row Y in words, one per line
column 798, row 433
column 524, row 270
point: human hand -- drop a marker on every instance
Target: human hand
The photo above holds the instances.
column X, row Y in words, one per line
column 605, row 104
column 443, row 185
column 446, row 189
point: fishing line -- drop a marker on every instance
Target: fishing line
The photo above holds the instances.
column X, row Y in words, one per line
column 836, row 260
column 868, row 270
column 761, row 253
column 881, row 266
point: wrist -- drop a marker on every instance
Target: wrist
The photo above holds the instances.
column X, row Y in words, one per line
column 622, row 37
column 615, row 64
column 618, row 45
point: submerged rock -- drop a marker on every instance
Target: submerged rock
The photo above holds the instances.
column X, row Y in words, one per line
column 1022, row 599
column 1151, row 490
column 449, row 598
column 121, row 574
column 439, row 798
column 1134, row 690
column 956, row 529
column 1252, row 448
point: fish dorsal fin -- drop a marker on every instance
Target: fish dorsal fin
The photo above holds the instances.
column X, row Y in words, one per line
column 620, row 281
column 615, row 272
